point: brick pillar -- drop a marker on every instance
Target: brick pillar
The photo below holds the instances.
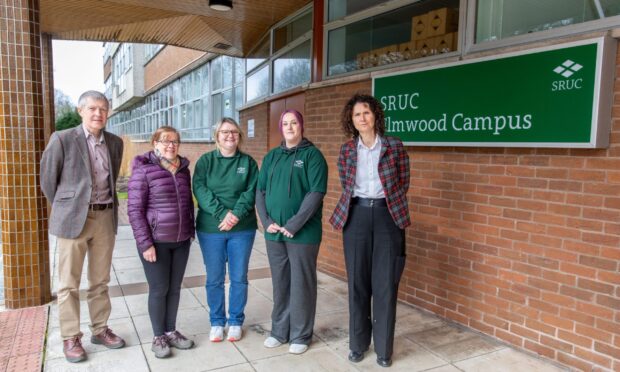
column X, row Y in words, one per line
column 23, row 209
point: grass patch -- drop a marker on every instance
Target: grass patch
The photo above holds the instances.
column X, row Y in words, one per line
column 121, row 195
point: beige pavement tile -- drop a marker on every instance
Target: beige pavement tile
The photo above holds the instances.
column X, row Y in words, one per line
column 258, row 308
column 203, row 357
column 446, row 368
column 411, row 324
column 506, row 360
column 327, row 302
column 201, row 295
column 125, row 248
column 333, row 285
column 438, row 336
column 123, row 263
column 128, row 276
column 128, row 359
column 138, row 304
column 314, row 360
column 246, row 367
column 333, row 327
column 257, row 260
column 468, row 348
column 263, row 286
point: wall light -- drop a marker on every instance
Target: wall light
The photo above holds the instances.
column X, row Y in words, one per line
column 221, row 5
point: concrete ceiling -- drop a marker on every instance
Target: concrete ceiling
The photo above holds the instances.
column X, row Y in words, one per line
column 185, row 23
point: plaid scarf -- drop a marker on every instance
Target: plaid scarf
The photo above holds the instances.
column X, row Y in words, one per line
column 171, row 166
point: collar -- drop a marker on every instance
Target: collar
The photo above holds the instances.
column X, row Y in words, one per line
column 360, row 143
column 218, row 154
column 87, row 133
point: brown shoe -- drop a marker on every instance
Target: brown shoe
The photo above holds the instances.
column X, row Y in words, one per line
column 74, row 352
column 108, row 339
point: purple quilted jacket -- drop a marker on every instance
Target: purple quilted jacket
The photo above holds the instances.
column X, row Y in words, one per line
column 160, row 205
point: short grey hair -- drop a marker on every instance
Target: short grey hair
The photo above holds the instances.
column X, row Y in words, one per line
column 94, row 95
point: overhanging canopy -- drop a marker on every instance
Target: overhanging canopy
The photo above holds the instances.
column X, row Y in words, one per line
column 185, row 23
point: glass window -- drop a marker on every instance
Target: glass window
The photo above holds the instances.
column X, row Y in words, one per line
column 227, row 71
column 258, row 55
column 413, row 31
column 239, row 70
column 282, row 36
column 205, row 79
column 500, row 19
column 216, row 73
column 257, row 84
column 238, row 97
column 227, row 104
column 337, row 9
column 216, row 107
column 292, row 68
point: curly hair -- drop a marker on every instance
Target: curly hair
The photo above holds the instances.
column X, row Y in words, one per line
column 347, row 114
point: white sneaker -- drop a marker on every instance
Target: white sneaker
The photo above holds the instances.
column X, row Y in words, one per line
column 216, row 334
column 271, row 342
column 234, row 333
column 297, row 348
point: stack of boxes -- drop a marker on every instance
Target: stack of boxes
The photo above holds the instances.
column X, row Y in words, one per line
column 432, row 33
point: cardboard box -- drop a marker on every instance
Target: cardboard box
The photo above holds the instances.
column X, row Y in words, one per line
column 408, row 50
column 441, row 21
column 384, row 56
column 426, row 47
column 419, row 25
column 446, row 43
column 362, row 60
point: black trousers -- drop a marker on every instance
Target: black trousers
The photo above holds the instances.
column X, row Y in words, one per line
column 374, row 250
column 165, row 277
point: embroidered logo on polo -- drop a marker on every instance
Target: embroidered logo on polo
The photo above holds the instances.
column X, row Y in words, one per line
column 568, row 68
column 298, row 163
column 241, row 170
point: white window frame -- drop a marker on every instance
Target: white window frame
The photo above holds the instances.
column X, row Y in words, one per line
column 466, row 39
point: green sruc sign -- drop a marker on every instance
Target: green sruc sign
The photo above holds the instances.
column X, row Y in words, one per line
column 558, row 96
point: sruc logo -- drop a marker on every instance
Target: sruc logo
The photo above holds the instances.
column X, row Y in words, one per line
column 567, row 69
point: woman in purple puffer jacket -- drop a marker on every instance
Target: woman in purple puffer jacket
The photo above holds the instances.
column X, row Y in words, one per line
column 161, row 213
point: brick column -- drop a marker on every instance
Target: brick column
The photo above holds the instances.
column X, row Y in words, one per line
column 23, row 209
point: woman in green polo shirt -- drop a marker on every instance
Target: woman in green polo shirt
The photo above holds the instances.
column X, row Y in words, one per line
column 289, row 198
column 224, row 185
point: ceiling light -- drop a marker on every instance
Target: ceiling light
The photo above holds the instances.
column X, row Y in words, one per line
column 221, row 5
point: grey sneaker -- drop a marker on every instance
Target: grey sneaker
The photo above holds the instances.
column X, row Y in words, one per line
column 160, row 347
column 176, row 339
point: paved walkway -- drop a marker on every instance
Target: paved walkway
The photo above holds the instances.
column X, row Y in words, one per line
column 423, row 342
column 22, row 334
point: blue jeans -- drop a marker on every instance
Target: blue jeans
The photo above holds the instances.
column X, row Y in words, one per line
column 217, row 249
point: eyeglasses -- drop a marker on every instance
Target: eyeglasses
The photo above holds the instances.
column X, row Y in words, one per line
column 168, row 143
column 227, row 132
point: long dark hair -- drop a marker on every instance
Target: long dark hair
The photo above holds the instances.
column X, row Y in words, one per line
column 347, row 114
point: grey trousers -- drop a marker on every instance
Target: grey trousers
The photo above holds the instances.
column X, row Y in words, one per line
column 293, row 273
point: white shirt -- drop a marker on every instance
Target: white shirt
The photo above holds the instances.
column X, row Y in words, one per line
column 367, row 181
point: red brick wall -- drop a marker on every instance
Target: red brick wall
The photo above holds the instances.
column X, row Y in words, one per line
column 521, row 244
column 167, row 62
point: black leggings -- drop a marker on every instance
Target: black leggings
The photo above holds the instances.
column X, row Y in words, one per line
column 165, row 276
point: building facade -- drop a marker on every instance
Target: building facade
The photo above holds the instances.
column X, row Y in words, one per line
column 518, row 241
